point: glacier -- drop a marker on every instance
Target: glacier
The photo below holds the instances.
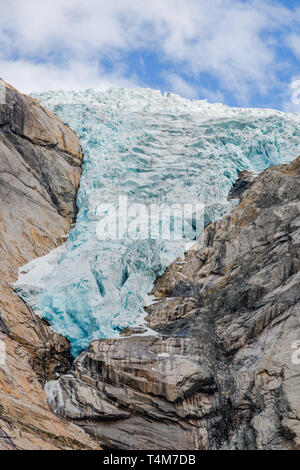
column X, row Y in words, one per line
column 153, row 148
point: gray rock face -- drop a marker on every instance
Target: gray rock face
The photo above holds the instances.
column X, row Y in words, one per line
column 40, row 167
column 223, row 370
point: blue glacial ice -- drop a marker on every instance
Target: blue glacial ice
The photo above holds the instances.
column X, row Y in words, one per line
column 153, row 148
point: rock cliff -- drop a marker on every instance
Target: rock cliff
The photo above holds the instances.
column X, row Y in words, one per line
column 221, row 370
column 39, row 176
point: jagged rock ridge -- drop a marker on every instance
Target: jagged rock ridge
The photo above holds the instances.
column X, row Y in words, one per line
column 219, row 373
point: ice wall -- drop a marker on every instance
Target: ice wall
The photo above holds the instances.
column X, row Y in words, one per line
column 154, row 149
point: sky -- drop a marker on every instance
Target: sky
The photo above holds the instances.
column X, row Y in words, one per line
column 238, row 52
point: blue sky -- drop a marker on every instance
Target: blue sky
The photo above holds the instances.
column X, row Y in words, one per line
column 240, row 52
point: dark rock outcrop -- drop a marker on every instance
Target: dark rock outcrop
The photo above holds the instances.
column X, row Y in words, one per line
column 244, row 181
column 222, row 370
column 39, row 176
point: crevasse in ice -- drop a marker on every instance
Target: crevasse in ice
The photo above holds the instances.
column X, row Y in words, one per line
column 154, row 149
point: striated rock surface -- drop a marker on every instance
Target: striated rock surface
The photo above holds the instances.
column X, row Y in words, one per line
column 39, row 176
column 222, row 370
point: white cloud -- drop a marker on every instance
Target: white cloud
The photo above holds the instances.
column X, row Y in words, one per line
column 28, row 77
column 232, row 40
column 179, row 85
column 294, row 43
column 212, row 96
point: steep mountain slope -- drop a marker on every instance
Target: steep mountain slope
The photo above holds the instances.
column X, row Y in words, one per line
column 39, row 177
column 223, row 370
